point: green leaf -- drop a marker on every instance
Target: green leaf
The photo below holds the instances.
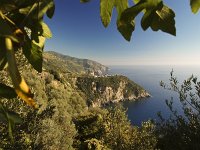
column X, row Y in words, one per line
column 164, row 20
column 3, row 117
column 11, row 116
column 3, row 62
column 147, row 19
column 26, row 10
column 6, row 30
column 36, row 11
column 126, row 23
column 126, row 29
column 10, row 125
column 195, row 5
column 44, row 6
column 14, row 117
column 40, row 43
column 33, row 52
column 3, row 59
column 7, row 92
column 156, row 15
column 121, row 6
column 46, row 32
column 7, row 6
column 51, row 10
column 136, row 1
column 106, row 8
column 149, row 15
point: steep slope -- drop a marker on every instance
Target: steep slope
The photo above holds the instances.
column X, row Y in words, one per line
column 63, row 91
column 88, row 77
column 71, row 64
column 109, row 89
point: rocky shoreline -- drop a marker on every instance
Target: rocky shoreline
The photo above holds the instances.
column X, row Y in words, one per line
column 102, row 91
column 99, row 103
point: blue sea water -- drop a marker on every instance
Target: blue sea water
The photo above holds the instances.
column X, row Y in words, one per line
column 149, row 77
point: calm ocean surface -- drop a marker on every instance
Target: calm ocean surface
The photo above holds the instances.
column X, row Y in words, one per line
column 149, row 77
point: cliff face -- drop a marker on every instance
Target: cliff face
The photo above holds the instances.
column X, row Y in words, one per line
column 111, row 89
column 89, row 77
column 62, row 94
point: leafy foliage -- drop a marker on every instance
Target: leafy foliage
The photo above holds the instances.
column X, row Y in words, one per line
column 9, row 117
column 185, row 128
column 110, row 129
column 156, row 15
column 195, row 5
column 52, row 126
column 22, row 27
column 58, row 102
column 6, row 91
column 106, row 11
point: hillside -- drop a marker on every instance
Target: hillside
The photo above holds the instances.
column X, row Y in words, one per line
column 63, row 93
column 71, row 64
column 101, row 91
column 88, row 77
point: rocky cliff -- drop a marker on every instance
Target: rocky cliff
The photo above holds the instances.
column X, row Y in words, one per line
column 110, row 89
column 62, row 93
column 89, row 77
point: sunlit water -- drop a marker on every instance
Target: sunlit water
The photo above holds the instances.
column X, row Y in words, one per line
column 149, row 77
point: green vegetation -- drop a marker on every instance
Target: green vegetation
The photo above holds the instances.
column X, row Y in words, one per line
column 51, row 126
column 110, row 129
column 22, row 27
column 55, row 124
column 108, row 89
column 64, row 63
column 64, row 121
column 183, row 126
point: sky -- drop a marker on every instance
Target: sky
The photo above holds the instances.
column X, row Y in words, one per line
column 78, row 32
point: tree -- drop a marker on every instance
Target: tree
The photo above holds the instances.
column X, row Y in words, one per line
column 184, row 128
column 111, row 129
column 22, row 29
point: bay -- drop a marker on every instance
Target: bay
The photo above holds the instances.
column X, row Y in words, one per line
column 149, row 77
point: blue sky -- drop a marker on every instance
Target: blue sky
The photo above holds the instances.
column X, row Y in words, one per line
column 78, row 31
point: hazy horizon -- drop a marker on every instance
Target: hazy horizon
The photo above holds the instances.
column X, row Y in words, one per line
column 135, row 64
column 78, row 32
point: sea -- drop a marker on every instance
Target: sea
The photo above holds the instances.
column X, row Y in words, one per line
column 149, row 78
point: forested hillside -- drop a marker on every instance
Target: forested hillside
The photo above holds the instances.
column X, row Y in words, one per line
column 64, row 63
column 70, row 113
column 57, row 114
column 63, row 97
